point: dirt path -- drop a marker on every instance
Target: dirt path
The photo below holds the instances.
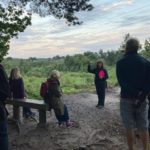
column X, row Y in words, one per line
column 99, row 129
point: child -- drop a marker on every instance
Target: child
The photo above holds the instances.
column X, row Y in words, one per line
column 18, row 91
column 54, row 100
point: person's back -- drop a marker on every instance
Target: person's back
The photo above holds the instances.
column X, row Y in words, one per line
column 17, row 88
column 132, row 74
column 54, row 100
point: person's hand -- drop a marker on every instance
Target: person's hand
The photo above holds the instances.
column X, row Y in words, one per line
column 142, row 96
column 140, row 99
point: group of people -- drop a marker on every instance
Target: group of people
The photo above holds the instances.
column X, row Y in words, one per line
column 133, row 74
column 13, row 88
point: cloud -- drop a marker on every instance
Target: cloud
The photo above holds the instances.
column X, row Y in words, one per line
column 48, row 37
column 107, row 7
column 134, row 20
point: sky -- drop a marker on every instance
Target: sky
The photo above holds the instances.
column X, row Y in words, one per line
column 103, row 28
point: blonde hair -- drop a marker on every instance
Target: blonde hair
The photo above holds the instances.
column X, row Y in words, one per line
column 55, row 72
column 15, row 73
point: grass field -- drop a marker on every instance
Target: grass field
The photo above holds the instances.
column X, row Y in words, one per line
column 71, row 82
column 34, row 73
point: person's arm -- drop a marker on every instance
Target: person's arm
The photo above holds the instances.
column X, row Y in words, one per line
column 22, row 89
column 125, row 85
column 106, row 75
column 11, row 88
column 90, row 69
column 146, row 90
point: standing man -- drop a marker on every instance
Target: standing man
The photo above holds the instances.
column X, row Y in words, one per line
column 4, row 94
column 133, row 74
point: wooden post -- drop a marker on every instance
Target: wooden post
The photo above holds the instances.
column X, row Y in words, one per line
column 42, row 118
column 16, row 113
column 16, row 117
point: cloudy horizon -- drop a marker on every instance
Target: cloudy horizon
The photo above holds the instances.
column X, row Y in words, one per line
column 102, row 28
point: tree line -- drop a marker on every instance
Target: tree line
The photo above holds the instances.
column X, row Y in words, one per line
column 75, row 63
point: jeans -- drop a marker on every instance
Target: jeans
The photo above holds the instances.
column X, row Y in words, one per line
column 3, row 129
column 65, row 117
column 27, row 112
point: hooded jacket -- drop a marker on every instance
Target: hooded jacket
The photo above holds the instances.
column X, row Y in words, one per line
column 56, row 96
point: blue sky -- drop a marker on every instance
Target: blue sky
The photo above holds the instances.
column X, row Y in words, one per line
column 103, row 28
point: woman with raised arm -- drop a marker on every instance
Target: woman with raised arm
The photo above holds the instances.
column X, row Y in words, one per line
column 101, row 76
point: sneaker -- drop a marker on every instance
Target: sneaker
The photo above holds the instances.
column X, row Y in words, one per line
column 32, row 115
column 28, row 115
column 101, row 107
column 61, row 124
column 70, row 124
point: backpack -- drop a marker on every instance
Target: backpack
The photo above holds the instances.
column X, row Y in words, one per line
column 44, row 91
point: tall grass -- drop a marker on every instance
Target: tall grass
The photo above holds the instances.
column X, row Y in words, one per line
column 34, row 73
column 71, row 82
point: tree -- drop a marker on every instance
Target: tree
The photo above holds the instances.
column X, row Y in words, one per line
column 146, row 51
column 60, row 9
column 12, row 21
column 14, row 16
column 126, row 37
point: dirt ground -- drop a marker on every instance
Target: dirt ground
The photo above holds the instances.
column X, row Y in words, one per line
column 99, row 129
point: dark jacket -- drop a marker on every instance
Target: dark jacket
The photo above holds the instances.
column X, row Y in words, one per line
column 97, row 71
column 55, row 101
column 133, row 74
column 4, row 85
column 17, row 88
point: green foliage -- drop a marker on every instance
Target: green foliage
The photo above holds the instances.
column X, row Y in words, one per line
column 146, row 51
column 71, row 82
column 12, row 21
column 126, row 37
column 35, row 72
column 73, row 69
column 112, row 81
column 60, row 9
column 14, row 16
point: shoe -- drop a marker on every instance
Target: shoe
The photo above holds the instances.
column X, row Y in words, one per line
column 70, row 124
column 97, row 105
column 61, row 124
column 32, row 115
column 101, row 107
column 27, row 115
